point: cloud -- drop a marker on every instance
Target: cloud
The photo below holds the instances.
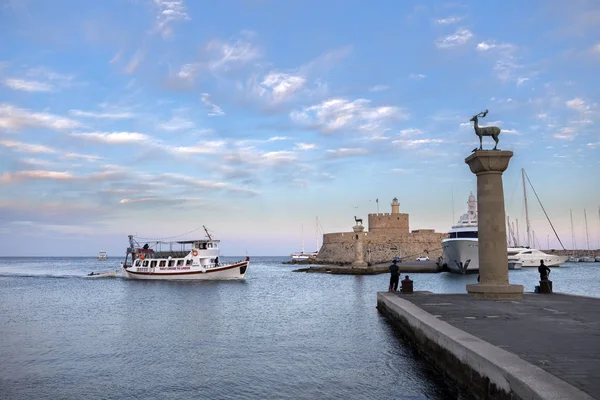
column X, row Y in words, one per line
column 460, row 37
column 411, row 144
column 12, row 117
column 345, row 152
column 510, row 131
column 577, row 104
column 177, row 124
column 593, row 145
column 91, row 114
column 207, row 147
column 410, row 132
column 27, row 85
column 169, row 12
column 134, row 62
column 565, row 133
column 114, row 137
column 305, row 146
column 596, row 48
column 277, row 87
column 448, row 20
column 26, row 147
column 222, row 56
column 79, row 156
column 340, row 114
column 378, row 88
column 417, row 77
column 11, row 177
column 506, row 64
column 215, row 110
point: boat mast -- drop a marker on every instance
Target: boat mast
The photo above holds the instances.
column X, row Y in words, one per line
column 586, row 230
column 316, row 234
column 526, row 209
column 572, row 232
column 207, row 234
column 518, row 238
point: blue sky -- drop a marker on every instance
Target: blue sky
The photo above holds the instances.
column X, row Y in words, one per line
column 254, row 117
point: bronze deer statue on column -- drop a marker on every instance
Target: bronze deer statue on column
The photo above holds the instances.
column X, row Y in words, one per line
column 492, row 131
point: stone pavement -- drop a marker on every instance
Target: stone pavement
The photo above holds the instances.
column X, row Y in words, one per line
column 558, row 333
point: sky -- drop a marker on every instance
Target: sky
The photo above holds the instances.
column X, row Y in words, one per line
column 256, row 117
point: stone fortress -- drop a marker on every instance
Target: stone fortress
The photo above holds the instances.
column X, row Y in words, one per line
column 388, row 236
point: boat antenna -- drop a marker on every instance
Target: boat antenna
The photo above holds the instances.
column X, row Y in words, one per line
column 543, row 209
column 207, row 234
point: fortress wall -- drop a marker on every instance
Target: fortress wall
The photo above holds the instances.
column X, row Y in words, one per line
column 386, row 221
column 381, row 246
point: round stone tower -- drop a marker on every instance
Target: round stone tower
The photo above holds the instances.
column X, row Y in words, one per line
column 395, row 206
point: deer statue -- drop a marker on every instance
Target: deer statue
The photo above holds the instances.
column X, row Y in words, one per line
column 357, row 220
column 492, row 131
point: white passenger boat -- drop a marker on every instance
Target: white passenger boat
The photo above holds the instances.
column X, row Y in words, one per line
column 102, row 256
column 184, row 260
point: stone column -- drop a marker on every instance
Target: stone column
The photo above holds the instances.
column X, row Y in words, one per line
column 359, row 252
column 489, row 165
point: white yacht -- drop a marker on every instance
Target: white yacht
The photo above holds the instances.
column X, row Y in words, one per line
column 531, row 257
column 460, row 249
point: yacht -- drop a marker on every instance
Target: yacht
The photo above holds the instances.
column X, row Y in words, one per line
column 102, row 256
column 531, row 257
column 460, row 249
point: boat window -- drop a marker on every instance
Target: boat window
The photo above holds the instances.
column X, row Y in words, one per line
column 179, row 263
column 188, row 262
column 216, row 245
column 203, row 246
column 145, row 263
column 526, row 252
column 162, row 263
column 453, row 235
column 210, row 245
column 171, row 263
column 153, row 264
column 136, row 262
column 466, row 234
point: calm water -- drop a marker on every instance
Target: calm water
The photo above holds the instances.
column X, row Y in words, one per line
column 278, row 335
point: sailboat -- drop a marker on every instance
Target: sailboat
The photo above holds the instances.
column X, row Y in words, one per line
column 528, row 256
column 572, row 257
column 587, row 258
column 305, row 255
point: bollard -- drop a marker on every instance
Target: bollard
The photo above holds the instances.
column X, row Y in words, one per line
column 406, row 285
column 546, row 286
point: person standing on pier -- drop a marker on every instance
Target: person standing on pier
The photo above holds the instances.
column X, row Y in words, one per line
column 394, row 276
column 544, row 271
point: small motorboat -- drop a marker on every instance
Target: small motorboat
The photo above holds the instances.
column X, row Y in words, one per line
column 109, row 274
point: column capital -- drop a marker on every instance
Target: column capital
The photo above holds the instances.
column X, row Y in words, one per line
column 489, row 161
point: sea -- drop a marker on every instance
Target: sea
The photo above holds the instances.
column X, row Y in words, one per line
column 278, row 334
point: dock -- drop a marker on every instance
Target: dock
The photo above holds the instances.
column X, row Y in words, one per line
column 541, row 347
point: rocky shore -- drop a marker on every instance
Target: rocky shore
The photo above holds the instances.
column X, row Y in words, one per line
column 348, row 269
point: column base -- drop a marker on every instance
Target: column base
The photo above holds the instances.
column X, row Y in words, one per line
column 495, row 292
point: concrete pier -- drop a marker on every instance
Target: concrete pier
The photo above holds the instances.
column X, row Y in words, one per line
column 540, row 347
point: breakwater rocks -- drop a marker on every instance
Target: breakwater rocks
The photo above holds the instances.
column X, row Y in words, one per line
column 348, row 269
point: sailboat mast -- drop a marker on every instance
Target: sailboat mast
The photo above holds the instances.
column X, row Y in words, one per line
column 526, row 208
column 572, row 232
column 302, row 249
column 587, row 236
column 518, row 238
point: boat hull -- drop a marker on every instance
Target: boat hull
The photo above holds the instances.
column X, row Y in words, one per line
column 461, row 256
column 236, row 271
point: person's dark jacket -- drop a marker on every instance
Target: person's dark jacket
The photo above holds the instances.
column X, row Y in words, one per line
column 394, row 270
